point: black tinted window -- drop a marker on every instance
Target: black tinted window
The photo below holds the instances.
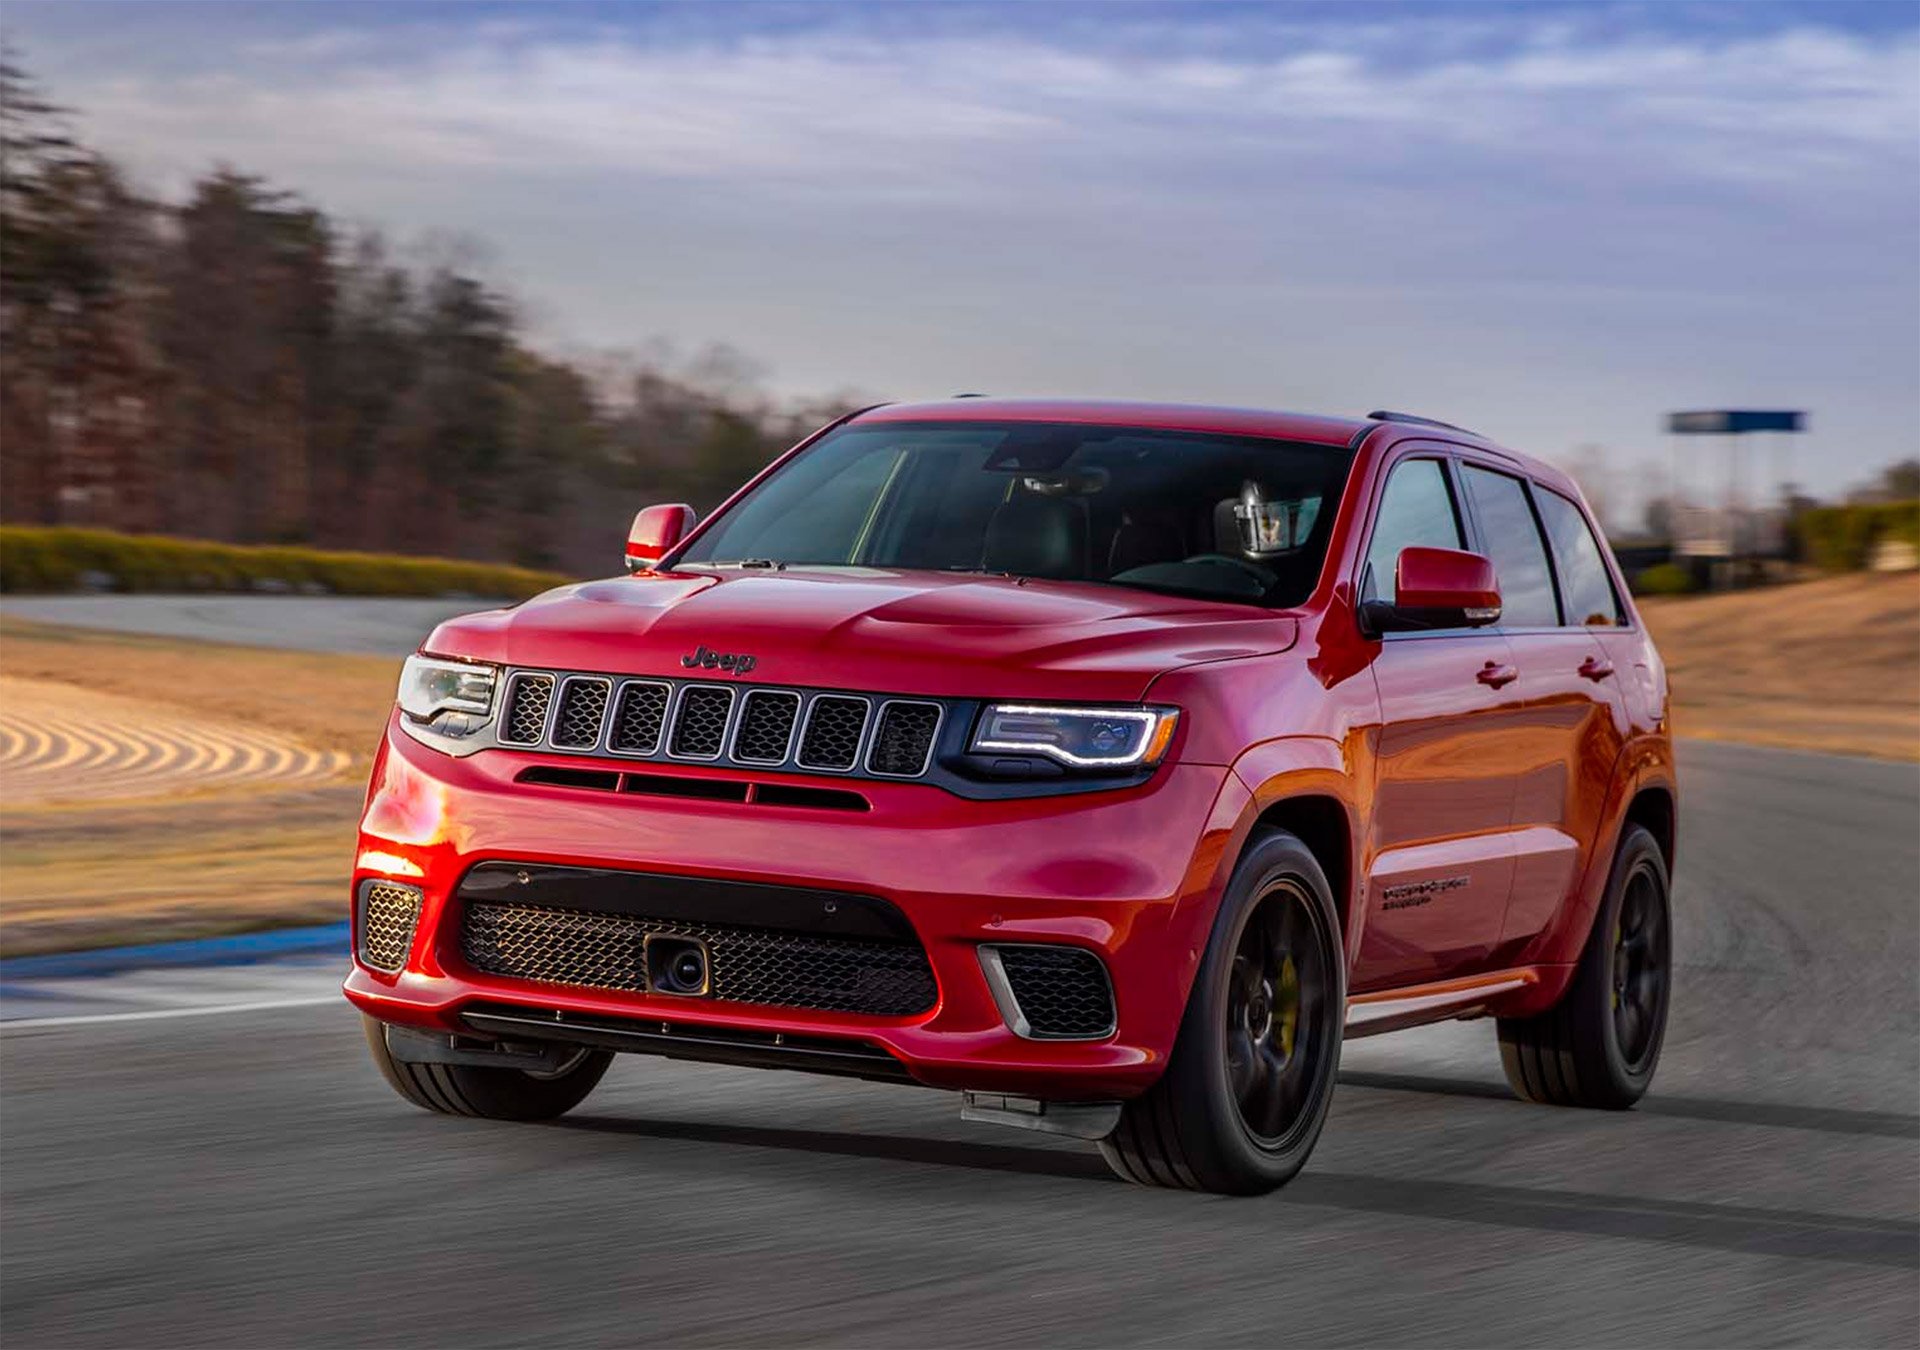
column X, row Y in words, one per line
column 1512, row 539
column 1585, row 586
column 1219, row 517
column 1416, row 511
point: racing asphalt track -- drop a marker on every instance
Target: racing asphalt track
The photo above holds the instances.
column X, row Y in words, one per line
column 245, row 1178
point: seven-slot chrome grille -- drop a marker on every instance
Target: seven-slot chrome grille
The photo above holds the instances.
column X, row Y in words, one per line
column 702, row 722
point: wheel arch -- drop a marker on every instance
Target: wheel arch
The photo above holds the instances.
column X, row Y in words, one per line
column 1321, row 822
column 1305, row 785
column 1653, row 808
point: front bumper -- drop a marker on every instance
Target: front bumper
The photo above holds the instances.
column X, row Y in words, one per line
column 1132, row 875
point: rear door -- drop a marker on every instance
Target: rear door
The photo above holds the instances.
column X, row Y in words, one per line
column 1557, row 600
column 1439, row 862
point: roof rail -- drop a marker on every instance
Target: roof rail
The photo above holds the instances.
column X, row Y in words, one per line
column 1383, row 415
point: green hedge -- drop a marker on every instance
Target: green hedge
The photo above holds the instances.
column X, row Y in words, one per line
column 1842, row 538
column 34, row 558
column 1667, row 578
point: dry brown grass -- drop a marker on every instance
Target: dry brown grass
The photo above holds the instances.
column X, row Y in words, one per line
column 1827, row 665
column 79, row 874
column 328, row 701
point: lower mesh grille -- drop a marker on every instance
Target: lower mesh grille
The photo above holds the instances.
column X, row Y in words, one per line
column 1062, row 992
column 388, row 914
column 747, row 965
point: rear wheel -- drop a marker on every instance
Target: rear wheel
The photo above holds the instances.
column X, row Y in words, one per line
column 495, row 1094
column 1246, row 1091
column 1601, row 1043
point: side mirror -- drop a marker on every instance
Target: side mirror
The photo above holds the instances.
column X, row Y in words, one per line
column 1436, row 588
column 655, row 532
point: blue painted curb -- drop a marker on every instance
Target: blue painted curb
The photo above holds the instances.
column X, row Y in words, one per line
column 239, row 949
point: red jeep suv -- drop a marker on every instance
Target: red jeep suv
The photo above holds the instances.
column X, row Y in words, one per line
column 1105, row 763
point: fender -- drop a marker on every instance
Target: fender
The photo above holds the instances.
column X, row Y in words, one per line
column 1645, row 761
column 1314, row 766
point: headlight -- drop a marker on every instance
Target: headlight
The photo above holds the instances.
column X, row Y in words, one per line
column 1081, row 738
column 430, row 686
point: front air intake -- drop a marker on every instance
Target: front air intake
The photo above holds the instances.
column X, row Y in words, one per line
column 1050, row 992
column 597, row 950
column 388, row 914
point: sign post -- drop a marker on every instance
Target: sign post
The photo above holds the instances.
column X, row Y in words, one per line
column 1733, row 532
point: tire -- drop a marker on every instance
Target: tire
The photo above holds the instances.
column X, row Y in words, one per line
column 493, row 1094
column 1247, row 1087
column 1599, row 1045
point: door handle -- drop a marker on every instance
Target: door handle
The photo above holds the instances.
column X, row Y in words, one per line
column 1596, row 668
column 1495, row 674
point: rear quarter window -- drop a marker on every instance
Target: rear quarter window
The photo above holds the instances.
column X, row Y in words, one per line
column 1586, row 587
column 1512, row 539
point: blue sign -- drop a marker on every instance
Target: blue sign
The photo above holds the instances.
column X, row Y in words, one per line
column 1733, row 421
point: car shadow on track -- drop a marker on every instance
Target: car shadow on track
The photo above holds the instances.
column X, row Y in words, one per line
column 1062, row 1162
column 1825, row 1120
column 1800, row 1234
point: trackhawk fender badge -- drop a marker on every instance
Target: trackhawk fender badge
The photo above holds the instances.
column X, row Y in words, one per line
column 1413, row 893
column 704, row 657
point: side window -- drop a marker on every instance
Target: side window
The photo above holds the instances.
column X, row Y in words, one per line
column 1416, row 511
column 1585, row 587
column 1511, row 536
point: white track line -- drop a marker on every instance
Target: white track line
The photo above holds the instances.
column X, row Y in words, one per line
column 157, row 1014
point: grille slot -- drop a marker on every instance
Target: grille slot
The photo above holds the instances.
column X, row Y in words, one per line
column 903, row 739
column 528, row 697
column 638, row 717
column 767, row 717
column 700, row 722
column 832, row 738
column 750, row 726
column 583, row 707
column 1057, row 993
column 388, row 915
column 747, row 965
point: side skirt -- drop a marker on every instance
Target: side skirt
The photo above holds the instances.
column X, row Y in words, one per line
column 1396, row 1009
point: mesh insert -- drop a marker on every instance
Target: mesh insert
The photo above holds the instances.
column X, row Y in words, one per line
column 832, row 737
column 388, row 913
column 583, row 706
column 1062, row 991
column 527, row 704
column 747, row 965
column 766, row 726
column 904, row 739
column 700, row 723
column 636, row 722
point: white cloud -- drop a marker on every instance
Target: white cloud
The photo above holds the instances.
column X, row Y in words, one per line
column 1554, row 229
column 907, row 112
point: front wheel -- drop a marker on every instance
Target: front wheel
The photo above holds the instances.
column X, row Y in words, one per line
column 1600, row 1044
column 1246, row 1091
column 495, row 1094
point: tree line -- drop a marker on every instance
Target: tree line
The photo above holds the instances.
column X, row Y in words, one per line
column 238, row 366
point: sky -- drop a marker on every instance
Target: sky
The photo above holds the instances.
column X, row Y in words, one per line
column 1551, row 222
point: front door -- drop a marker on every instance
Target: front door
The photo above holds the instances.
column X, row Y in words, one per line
column 1440, row 859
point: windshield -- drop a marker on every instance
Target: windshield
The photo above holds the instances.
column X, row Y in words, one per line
column 1238, row 518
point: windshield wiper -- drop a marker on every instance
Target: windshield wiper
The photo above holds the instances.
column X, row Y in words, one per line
column 745, row 564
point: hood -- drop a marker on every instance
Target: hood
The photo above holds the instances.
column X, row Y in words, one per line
column 959, row 636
